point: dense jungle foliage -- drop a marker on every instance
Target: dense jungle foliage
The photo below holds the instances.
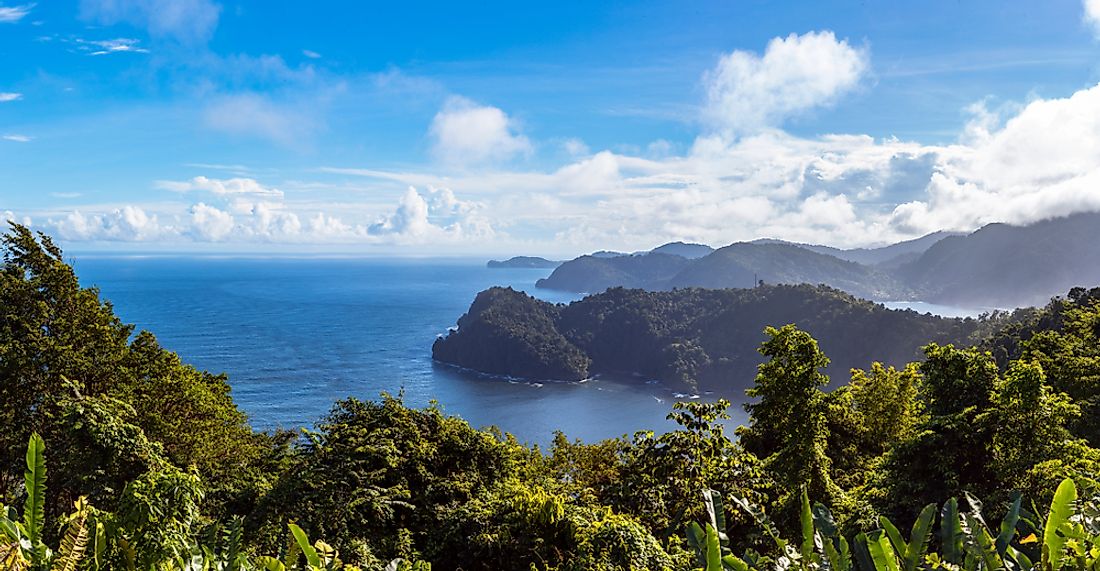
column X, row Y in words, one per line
column 120, row 456
column 691, row 339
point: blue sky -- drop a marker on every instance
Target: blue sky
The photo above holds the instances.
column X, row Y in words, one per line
column 494, row 127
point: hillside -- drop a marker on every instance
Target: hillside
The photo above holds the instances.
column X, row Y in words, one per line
column 692, row 339
column 996, row 266
column 684, row 250
column 1009, row 266
column 737, row 265
column 885, row 256
column 591, row 274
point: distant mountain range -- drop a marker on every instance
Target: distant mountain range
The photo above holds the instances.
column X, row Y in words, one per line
column 996, row 266
column 523, row 262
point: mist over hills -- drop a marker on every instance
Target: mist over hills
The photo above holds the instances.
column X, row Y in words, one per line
column 998, row 265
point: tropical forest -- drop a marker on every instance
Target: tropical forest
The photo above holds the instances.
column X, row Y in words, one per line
column 979, row 454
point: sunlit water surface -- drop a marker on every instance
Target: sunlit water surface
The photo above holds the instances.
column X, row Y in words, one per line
column 294, row 335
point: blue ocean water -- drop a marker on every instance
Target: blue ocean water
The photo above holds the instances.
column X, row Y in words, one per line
column 294, row 335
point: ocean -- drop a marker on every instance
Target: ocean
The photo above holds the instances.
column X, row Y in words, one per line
column 295, row 335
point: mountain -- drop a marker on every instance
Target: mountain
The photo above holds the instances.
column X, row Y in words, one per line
column 743, row 264
column 737, row 265
column 684, row 250
column 1009, row 266
column 691, row 339
column 523, row 262
column 885, row 256
column 590, row 274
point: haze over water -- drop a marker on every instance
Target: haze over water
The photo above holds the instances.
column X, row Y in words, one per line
column 294, row 335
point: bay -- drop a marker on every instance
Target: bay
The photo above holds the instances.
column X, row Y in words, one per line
column 296, row 334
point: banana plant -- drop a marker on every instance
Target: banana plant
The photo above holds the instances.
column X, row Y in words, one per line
column 22, row 547
column 1070, row 539
column 711, row 544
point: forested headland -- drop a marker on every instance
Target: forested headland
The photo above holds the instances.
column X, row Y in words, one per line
column 689, row 339
column 117, row 455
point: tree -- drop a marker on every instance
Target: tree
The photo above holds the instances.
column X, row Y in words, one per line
column 65, row 355
column 951, row 450
column 788, row 426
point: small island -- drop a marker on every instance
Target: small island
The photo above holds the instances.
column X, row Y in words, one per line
column 524, row 262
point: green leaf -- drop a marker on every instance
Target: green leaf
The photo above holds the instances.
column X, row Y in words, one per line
column 270, row 563
column 714, row 550
column 863, row 552
column 807, row 520
column 73, row 545
column 735, row 563
column 894, row 536
column 34, row 512
column 303, row 543
column 716, row 511
column 1061, row 509
column 881, row 552
column 951, row 534
column 838, row 559
column 919, row 538
column 1008, row 525
column 981, row 543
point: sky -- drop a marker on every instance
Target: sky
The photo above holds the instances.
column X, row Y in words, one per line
column 557, row 128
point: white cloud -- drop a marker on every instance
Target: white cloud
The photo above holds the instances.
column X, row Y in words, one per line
column 1092, row 15
column 311, row 54
column 1042, row 162
column 105, row 47
column 16, row 138
column 465, row 133
column 439, row 216
column 575, row 147
column 410, row 218
column 210, row 224
column 7, row 216
column 129, row 223
column 186, row 21
column 7, row 96
column 747, row 92
column 1016, row 164
column 220, row 187
column 12, row 14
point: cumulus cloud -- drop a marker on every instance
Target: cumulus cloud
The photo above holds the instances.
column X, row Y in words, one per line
column 129, row 223
column 1016, row 164
column 8, row 96
column 186, row 21
column 464, row 133
column 439, row 215
column 1043, row 162
column 1092, row 15
column 12, row 14
column 7, row 216
column 747, row 92
column 221, row 187
column 210, row 224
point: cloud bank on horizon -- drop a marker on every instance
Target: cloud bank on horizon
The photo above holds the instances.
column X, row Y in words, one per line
column 480, row 181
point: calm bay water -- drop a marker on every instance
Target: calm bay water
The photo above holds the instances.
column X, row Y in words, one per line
column 294, row 335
